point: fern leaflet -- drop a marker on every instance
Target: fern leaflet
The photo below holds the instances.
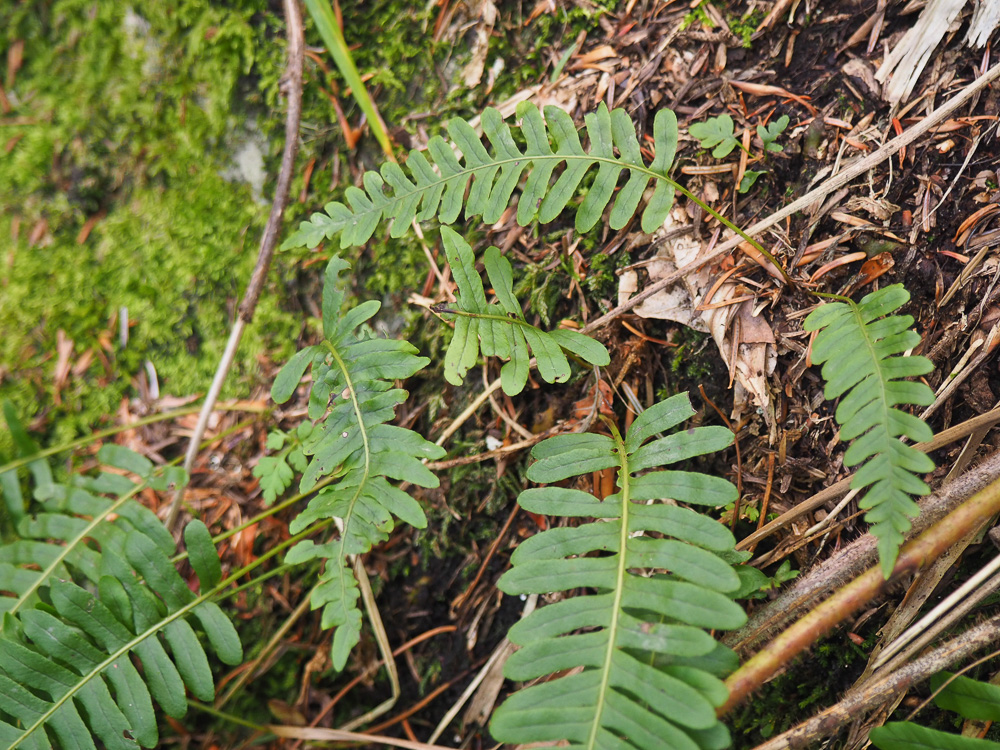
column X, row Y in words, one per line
column 500, row 330
column 645, row 674
column 437, row 187
column 972, row 699
column 64, row 650
column 857, row 344
column 352, row 400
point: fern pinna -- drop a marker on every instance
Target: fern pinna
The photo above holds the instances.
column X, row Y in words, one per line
column 643, row 673
column 500, row 329
column 437, row 187
column 971, row 699
column 857, row 344
column 88, row 583
column 351, row 400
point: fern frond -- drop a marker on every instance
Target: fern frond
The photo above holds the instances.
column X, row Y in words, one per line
column 858, row 346
column 352, row 399
column 500, row 329
column 971, row 699
column 54, row 540
column 437, row 186
column 65, row 670
column 645, row 674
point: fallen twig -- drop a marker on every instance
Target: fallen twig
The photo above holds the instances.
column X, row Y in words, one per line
column 848, row 599
column 268, row 241
column 855, row 703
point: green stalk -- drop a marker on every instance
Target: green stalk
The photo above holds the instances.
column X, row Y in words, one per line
column 336, row 45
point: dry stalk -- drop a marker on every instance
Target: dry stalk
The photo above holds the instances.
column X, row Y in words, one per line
column 857, row 702
column 268, row 241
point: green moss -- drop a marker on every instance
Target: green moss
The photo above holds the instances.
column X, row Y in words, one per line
column 132, row 119
column 745, row 26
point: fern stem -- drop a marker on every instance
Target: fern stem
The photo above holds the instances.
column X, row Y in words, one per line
column 211, row 710
column 368, row 454
column 620, row 573
column 258, row 518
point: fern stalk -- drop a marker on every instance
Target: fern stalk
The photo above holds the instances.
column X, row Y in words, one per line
column 619, row 591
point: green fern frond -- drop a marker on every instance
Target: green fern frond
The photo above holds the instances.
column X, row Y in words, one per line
column 352, row 399
column 54, row 540
column 661, row 574
column 437, row 186
column 65, row 669
column 500, row 330
column 858, row 346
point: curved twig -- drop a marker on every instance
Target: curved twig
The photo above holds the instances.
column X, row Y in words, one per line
column 848, row 599
column 268, row 241
column 856, row 702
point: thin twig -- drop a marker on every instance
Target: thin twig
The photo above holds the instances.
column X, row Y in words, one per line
column 850, row 561
column 268, row 241
column 838, row 489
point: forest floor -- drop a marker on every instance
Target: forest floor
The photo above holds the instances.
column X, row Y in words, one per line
column 925, row 218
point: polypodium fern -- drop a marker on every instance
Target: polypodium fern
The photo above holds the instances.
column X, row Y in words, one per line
column 500, row 329
column 65, row 647
column 437, row 187
column 644, row 674
column 352, row 400
column 857, row 345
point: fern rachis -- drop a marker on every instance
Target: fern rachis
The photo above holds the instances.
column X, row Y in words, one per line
column 494, row 177
column 351, row 400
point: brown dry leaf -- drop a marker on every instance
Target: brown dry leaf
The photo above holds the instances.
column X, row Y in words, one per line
column 38, row 232
column 763, row 89
column 747, row 348
column 472, row 73
column 878, row 208
column 583, row 407
column 542, row 6
column 871, row 269
column 15, row 57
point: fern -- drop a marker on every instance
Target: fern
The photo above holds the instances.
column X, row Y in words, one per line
column 64, row 649
column 857, row 345
column 645, row 674
column 351, row 401
column 500, row 329
column 437, row 187
column 970, row 698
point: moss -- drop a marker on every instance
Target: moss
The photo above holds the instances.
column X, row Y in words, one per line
column 130, row 121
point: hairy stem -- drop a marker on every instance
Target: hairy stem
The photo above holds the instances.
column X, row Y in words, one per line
column 849, row 599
